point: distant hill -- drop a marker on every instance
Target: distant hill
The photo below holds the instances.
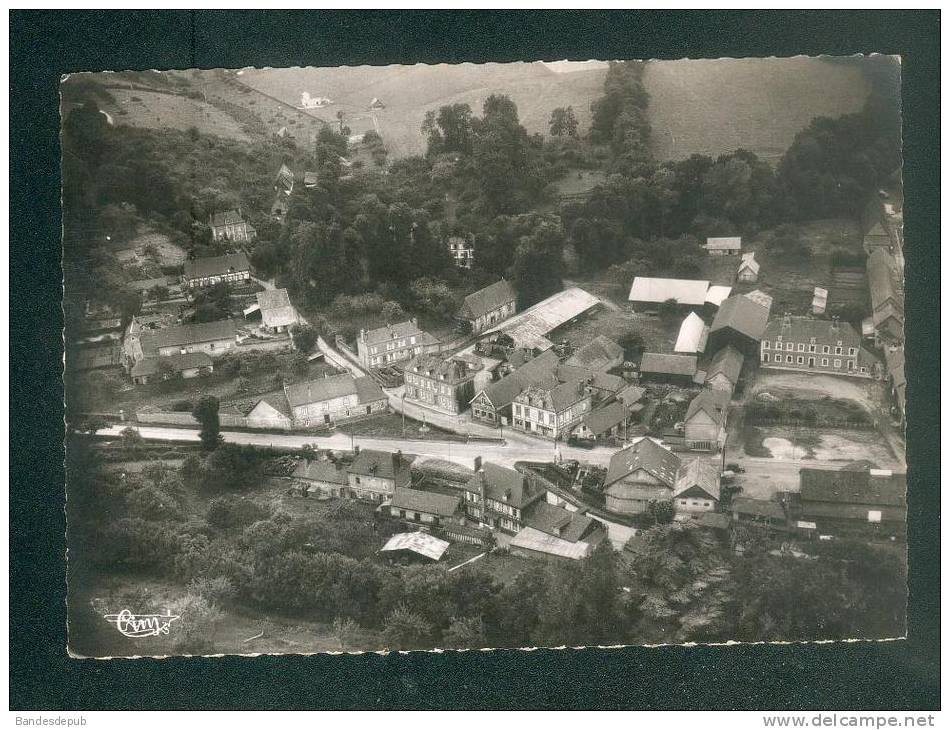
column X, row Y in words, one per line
column 408, row 92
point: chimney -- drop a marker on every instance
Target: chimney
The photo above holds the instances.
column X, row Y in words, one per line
column 362, row 335
column 398, row 459
column 786, row 321
column 834, row 323
column 412, row 321
column 507, row 495
column 356, row 449
column 478, row 463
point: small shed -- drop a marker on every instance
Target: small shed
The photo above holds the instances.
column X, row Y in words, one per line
column 692, row 335
column 723, row 246
column 819, row 301
column 668, row 368
column 748, row 268
column 412, row 546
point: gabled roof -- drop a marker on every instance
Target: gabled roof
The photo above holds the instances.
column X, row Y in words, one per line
column 654, row 290
column 750, row 263
column 417, row 500
column 743, row 315
column 381, row 464
column 601, row 353
column 604, row 419
column 895, row 365
column 884, row 279
column 645, row 454
column 368, row 390
column 597, row 379
column 631, row 394
column 503, row 392
column 188, row 334
column 727, row 243
column 227, row 218
column 692, row 335
column 178, row 363
column 713, row 403
column 397, row 331
column 279, row 316
column 847, row 486
column 452, row 370
column 727, row 361
column 552, row 395
column 321, row 470
column 480, row 303
column 802, row 329
column 420, row 543
column 531, row 539
column 216, row 265
column 717, row 294
column 273, row 298
column 655, row 362
column 557, row 521
column 504, row 485
column 528, row 328
column 320, row 389
column 760, row 297
column 699, row 473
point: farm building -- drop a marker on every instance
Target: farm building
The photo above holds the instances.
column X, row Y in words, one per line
column 550, row 408
column 660, row 367
column 487, row 307
column 447, row 384
column 643, row 472
column 897, row 380
column 427, row 508
column 499, row 497
column 697, row 489
column 601, row 353
column 334, row 399
column 188, row 365
column 717, row 294
column 631, row 395
column 530, row 328
column 648, row 293
column 272, row 411
column 887, row 296
column 394, row 343
column 740, row 322
column 725, row 246
column 723, row 370
column 704, row 427
column 530, row 542
column 875, row 496
column 748, row 270
column 211, row 338
column 815, row 346
column 276, row 312
column 210, row 270
column 415, row 547
column 231, row 226
column 692, row 335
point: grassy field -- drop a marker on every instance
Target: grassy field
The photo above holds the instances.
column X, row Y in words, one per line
column 658, row 335
column 714, row 107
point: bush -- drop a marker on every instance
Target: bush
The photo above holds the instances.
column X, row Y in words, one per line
column 229, row 511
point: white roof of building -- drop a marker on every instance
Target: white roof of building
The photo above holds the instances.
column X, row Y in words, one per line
column 749, row 263
column 528, row 329
column 726, row 243
column 684, row 291
column 692, row 336
column 760, row 297
column 718, row 294
column 417, row 542
column 531, row 539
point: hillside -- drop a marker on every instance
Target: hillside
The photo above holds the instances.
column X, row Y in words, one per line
column 410, row 91
column 716, row 106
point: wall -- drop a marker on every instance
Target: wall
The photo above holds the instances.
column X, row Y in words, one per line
column 228, row 420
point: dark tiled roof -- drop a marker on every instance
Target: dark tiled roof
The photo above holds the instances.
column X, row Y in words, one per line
column 655, row 362
column 853, row 487
column 320, row 470
column 603, row 419
column 189, row 334
column 398, row 331
column 802, row 329
column 320, row 389
column 727, row 361
column 552, row 395
column 179, row 363
column 758, row 507
column 216, row 265
column 743, row 315
column 601, row 353
column 227, row 218
column 368, row 390
column 382, row 464
column 480, row 303
column 557, row 521
column 500, row 481
column 417, row 500
column 644, row 454
column 450, row 370
column 699, row 473
column 503, row 392
column 714, row 403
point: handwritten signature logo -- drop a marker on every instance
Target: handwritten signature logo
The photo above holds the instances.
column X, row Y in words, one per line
column 137, row 627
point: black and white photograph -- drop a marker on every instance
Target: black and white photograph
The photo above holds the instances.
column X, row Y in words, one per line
column 480, row 356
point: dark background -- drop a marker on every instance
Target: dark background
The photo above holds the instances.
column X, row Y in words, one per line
column 45, row 44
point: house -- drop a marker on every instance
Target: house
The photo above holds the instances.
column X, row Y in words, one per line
column 602, row 386
column 529, row 543
column 887, row 297
column 692, row 335
column 875, row 496
column 726, row 246
column 414, row 547
column 601, row 353
column 648, row 293
column 230, row 226
column 462, row 251
column 498, row 497
column 277, row 313
column 740, row 322
column 604, row 423
column 814, row 346
column 877, row 236
column 211, row 338
column 493, row 404
column 531, row 328
column 375, row 475
column 487, row 307
column 631, row 395
column 447, row 384
column 270, row 412
column 641, row 473
column 323, row 477
column 188, row 365
column 748, row 270
column 819, row 301
column 284, row 182
column 704, row 426
column 717, row 294
column 723, row 370
column 660, row 367
column 554, row 532
column 210, row 270
column 697, row 489
column 394, row 343
column 427, row 508
column 550, row 408
column 761, row 512
column 334, row 399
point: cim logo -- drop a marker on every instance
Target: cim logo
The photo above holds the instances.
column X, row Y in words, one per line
column 137, row 627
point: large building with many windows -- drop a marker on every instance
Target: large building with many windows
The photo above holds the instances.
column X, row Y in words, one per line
column 446, row 384
column 551, row 408
column 394, row 343
column 815, row 346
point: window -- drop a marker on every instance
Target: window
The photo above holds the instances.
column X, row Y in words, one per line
column 837, row 351
column 788, row 347
column 517, row 410
column 788, row 358
column 850, row 364
column 801, row 360
column 852, row 351
column 824, row 362
column 801, row 347
column 864, row 369
column 837, row 363
column 874, row 515
column 812, row 348
column 765, row 344
column 765, row 357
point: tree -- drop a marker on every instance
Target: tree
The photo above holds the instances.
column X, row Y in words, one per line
column 304, row 337
column 131, row 439
column 632, row 344
column 464, row 633
column 787, row 240
column 392, row 312
column 668, row 310
column 406, row 630
column 563, row 122
column 206, row 413
column 344, row 628
column 661, row 511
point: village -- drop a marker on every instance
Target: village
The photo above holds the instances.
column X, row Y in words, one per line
column 321, row 383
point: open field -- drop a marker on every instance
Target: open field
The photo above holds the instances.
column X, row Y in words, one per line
column 658, row 335
column 714, row 107
column 796, row 444
column 408, row 92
